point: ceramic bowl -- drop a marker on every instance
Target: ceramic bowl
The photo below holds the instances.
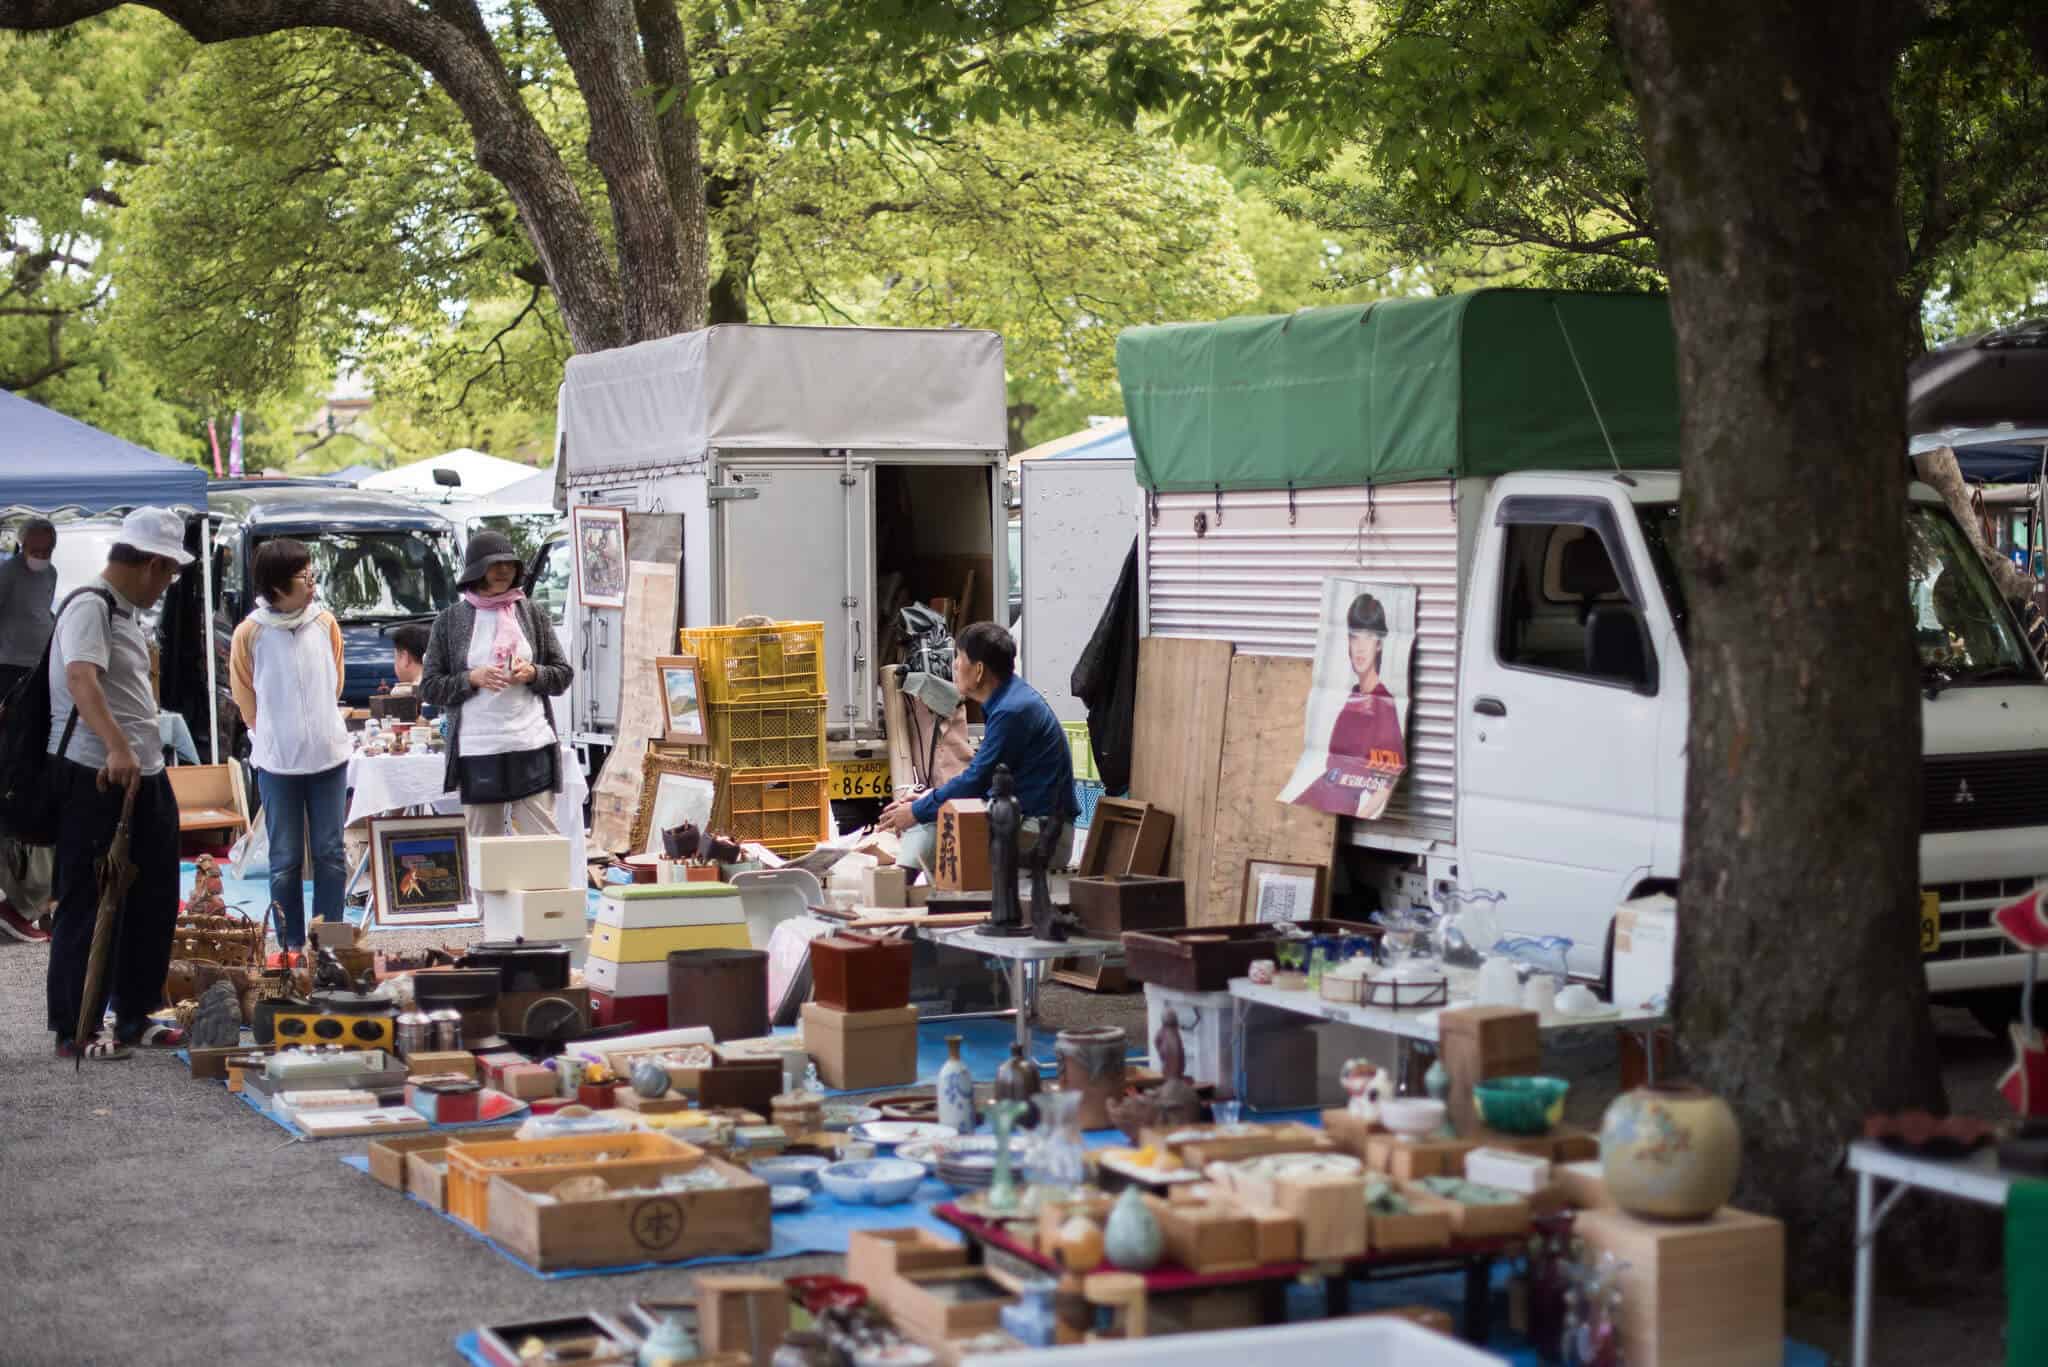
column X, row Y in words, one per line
column 794, row 1170
column 924, row 1151
column 885, row 1135
column 872, row 1181
column 844, row 1115
column 1520, row 1105
column 1412, row 1117
column 788, row 1198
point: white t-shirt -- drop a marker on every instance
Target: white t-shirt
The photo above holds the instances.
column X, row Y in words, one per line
column 121, row 650
column 509, row 721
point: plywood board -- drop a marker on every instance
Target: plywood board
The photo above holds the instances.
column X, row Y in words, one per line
column 1183, row 688
column 648, row 629
column 1267, row 698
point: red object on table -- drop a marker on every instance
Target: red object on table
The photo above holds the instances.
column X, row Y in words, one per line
column 646, row 1013
column 855, row 972
column 598, row 1096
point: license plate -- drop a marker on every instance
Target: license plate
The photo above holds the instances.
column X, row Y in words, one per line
column 854, row 779
column 1930, row 922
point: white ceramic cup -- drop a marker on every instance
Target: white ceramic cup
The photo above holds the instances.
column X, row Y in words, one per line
column 1539, row 994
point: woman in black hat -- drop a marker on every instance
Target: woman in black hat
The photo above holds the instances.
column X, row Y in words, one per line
column 492, row 664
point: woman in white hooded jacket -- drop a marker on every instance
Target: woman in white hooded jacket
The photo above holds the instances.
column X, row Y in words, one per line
column 285, row 670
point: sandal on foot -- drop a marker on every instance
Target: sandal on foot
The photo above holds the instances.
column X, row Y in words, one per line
column 99, row 1050
column 155, row 1036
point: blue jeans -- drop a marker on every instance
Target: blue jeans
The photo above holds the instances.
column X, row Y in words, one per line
column 301, row 811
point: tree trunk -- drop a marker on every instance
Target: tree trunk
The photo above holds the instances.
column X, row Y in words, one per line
column 741, row 244
column 668, row 67
column 1774, row 165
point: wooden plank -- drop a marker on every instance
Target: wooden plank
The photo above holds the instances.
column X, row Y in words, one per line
column 1262, row 721
column 1183, row 688
column 648, row 629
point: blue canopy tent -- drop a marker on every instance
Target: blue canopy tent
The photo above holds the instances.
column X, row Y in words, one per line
column 1991, row 455
column 49, row 461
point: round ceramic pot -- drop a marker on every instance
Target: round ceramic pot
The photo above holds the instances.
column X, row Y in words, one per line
column 1670, row 1151
column 1092, row 1063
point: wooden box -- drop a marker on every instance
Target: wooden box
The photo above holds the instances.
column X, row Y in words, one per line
column 1480, row 1042
column 1420, row 1228
column 1126, row 837
column 960, row 854
column 1217, row 1147
column 426, row 1176
column 750, row 1084
column 528, row 1081
column 1276, row 1236
column 213, row 1063
column 640, row 1154
column 619, row 1231
column 1407, row 1161
column 745, row 1315
column 1472, row 1222
column 1212, row 1237
column 669, row 1104
column 857, row 1050
column 1570, row 1144
column 1350, row 1133
column 388, row 1155
column 1584, row 1184
column 948, row 1302
column 1331, row 1212
column 1111, row 905
column 441, row 1061
column 1710, row 1291
column 877, row 1256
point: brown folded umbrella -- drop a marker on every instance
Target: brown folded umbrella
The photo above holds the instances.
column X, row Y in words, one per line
column 116, row 876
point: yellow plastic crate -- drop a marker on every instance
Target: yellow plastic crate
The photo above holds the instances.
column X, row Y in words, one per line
column 1080, row 750
column 780, row 808
column 636, row 1154
column 765, row 735
column 785, row 660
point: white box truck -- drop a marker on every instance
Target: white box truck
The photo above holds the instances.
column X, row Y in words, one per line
column 1511, row 454
column 815, row 470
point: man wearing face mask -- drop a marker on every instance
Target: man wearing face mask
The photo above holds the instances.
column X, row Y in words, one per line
column 28, row 586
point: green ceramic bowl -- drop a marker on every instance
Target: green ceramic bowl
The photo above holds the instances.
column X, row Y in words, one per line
column 1520, row 1105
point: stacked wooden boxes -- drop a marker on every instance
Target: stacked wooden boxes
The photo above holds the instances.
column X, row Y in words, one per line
column 520, row 882
column 1695, row 1291
column 860, row 1026
column 764, row 703
column 638, row 926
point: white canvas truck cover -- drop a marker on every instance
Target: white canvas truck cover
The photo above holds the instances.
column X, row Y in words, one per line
column 668, row 402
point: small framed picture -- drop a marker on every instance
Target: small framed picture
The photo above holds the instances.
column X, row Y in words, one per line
column 682, row 704
column 599, row 538
column 419, row 870
column 1275, row 891
column 674, row 790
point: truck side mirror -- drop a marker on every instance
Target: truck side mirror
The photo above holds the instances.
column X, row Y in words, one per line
column 1618, row 647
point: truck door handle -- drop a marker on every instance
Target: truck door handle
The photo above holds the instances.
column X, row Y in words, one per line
column 1490, row 707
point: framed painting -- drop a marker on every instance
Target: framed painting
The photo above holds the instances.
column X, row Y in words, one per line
column 673, row 790
column 1276, row 891
column 419, row 871
column 682, row 700
column 598, row 536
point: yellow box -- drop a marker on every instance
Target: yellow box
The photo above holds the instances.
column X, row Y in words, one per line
column 653, row 944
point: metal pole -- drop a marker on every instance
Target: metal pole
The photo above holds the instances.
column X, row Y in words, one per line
column 206, row 588
column 1866, row 1257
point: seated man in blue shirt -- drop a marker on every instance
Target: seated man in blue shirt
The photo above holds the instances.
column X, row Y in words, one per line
column 1019, row 730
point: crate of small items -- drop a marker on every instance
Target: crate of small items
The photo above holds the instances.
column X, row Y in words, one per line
column 637, row 1157
column 611, row 1218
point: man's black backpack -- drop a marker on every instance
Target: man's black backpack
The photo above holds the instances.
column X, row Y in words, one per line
column 28, row 809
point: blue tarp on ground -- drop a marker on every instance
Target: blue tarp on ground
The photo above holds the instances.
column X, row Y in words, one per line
column 50, row 461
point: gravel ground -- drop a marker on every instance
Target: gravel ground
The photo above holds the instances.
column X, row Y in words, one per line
column 149, row 1218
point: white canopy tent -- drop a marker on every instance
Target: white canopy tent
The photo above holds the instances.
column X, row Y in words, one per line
column 483, row 476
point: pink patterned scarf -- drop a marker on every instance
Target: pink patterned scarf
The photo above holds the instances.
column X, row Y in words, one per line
column 505, row 643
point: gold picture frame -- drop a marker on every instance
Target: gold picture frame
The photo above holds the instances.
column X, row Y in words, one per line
column 681, row 686
column 674, row 787
column 1263, row 903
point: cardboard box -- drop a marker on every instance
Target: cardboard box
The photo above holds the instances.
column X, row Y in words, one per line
column 877, row 1256
column 960, row 859
column 518, row 863
column 655, row 943
column 528, row 1081
column 441, row 1061
column 1698, row 1292
column 742, row 1314
column 884, row 886
column 619, row 1231
column 856, row 1050
column 535, row 914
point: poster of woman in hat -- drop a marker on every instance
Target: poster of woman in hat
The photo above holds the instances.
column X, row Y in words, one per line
column 1354, row 739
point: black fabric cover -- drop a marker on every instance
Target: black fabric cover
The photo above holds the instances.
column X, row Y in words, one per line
column 1106, row 681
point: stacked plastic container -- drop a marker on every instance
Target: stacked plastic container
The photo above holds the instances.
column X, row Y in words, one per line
column 638, row 926
column 764, row 698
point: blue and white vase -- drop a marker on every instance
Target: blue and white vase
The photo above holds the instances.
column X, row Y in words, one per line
column 956, row 1090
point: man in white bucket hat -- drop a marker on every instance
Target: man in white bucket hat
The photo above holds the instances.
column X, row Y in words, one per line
column 104, row 740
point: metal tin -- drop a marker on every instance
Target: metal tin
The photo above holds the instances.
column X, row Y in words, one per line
column 416, row 1033
column 447, row 1030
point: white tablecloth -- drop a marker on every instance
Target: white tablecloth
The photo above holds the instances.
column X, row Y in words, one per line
column 382, row 784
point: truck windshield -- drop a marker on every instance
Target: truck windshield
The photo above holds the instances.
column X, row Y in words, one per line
column 381, row 576
column 1962, row 632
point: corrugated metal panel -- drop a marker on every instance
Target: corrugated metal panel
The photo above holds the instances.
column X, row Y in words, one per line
column 1255, row 579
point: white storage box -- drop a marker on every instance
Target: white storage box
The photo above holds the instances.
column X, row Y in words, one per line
column 1645, row 948
column 1327, row 1343
column 661, row 906
column 535, row 914
column 626, row 980
column 517, row 863
column 1508, row 1170
column 1205, row 1031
